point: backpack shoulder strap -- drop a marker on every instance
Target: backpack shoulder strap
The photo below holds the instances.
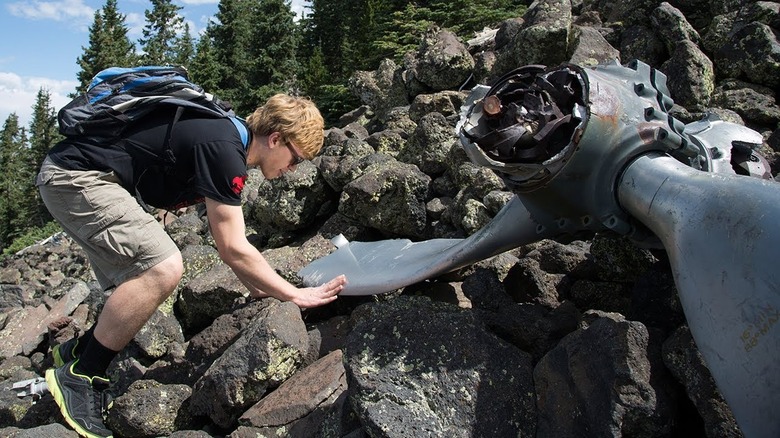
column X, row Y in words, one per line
column 242, row 130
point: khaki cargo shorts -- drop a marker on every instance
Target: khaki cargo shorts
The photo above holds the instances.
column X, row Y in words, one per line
column 121, row 239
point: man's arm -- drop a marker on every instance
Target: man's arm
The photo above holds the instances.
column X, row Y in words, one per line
column 227, row 227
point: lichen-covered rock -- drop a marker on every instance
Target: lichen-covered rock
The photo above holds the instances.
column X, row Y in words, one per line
column 752, row 53
column 439, row 382
column 390, row 196
column 691, row 76
column 589, row 48
column 443, row 61
column 299, row 406
column 601, row 376
column 208, row 296
column 429, row 145
column 268, row 352
column 543, row 38
column 150, row 409
column 292, row 201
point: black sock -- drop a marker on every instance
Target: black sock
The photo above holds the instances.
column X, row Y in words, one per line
column 95, row 359
column 83, row 341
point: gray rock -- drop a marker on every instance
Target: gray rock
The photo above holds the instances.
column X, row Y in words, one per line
column 389, row 196
column 150, row 409
column 417, row 368
column 25, row 329
column 589, row 48
column 429, row 145
column 691, row 76
column 684, row 361
column 753, row 53
column 600, row 376
column 292, row 201
column 269, row 352
column 443, row 61
column 542, row 40
column 298, row 407
column 672, row 27
column 157, row 334
column 446, row 103
column 208, row 296
column 47, row 431
column 755, row 107
column 642, row 43
column 389, row 141
column 381, row 89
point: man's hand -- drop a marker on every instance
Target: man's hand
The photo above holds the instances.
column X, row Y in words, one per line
column 317, row 296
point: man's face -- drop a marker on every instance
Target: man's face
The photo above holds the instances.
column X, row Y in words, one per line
column 280, row 157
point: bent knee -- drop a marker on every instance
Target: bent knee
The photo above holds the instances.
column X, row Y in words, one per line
column 169, row 272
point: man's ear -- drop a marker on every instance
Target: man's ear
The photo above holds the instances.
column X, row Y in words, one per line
column 274, row 139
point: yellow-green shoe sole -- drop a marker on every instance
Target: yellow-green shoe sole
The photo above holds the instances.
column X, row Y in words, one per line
column 54, row 389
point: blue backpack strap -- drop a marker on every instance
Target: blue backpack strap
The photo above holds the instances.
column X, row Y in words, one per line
column 242, row 131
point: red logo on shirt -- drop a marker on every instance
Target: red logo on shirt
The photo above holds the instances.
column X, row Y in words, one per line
column 238, row 184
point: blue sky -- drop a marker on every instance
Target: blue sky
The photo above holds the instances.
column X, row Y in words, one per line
column 41, row 40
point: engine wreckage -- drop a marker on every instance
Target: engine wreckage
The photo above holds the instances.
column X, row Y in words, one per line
column 593, row 150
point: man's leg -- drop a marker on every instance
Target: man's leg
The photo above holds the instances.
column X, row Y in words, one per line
column 133, row 302
column 126, row 311
column 128, row 248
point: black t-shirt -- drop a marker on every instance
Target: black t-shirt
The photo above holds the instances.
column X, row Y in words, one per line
column 205, row 158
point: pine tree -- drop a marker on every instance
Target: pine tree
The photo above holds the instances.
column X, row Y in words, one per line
column 275, row 40
column 184, row 48
column 108, row 45
column 13, row 180
column 43, row 135
column 231, row 36
column 163, row 23
column 205, row 69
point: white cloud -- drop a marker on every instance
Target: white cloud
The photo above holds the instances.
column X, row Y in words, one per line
column 200, row 2
column 18, row 93
column 135, row 23
column 64, row 10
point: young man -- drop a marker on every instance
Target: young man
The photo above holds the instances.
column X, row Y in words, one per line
column 91, row 189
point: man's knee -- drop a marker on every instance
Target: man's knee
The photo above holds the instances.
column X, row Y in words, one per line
column 169, row 272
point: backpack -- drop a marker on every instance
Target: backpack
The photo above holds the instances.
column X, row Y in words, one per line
column 118, row 96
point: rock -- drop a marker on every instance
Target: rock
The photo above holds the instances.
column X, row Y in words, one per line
column 429, row 145
column 292, row 201
column 157, row 334
column 269, row 352
column 683, row 359
column 389, row 196
column 150, row 409
column 672, row 27
column 443, row 62
column 601, row 376
column 298, row 407
column 691, row 76
column 589, row 48
column 25, row 329
column 542, row 38
column 753, row 53
column 642, row 43
column 208, row 296
column 439, row 381
column 48, row 431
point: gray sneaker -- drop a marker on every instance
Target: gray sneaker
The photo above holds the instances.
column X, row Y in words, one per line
column 65, row 352
column 82, row 399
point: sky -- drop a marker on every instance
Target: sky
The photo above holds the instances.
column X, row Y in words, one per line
column 40, row 41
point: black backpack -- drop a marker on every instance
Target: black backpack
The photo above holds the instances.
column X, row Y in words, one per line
column 117, row 96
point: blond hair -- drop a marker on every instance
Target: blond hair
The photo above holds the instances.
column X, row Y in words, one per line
column 297, row 119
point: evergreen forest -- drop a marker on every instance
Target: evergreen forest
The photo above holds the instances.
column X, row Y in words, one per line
column 250, row 50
